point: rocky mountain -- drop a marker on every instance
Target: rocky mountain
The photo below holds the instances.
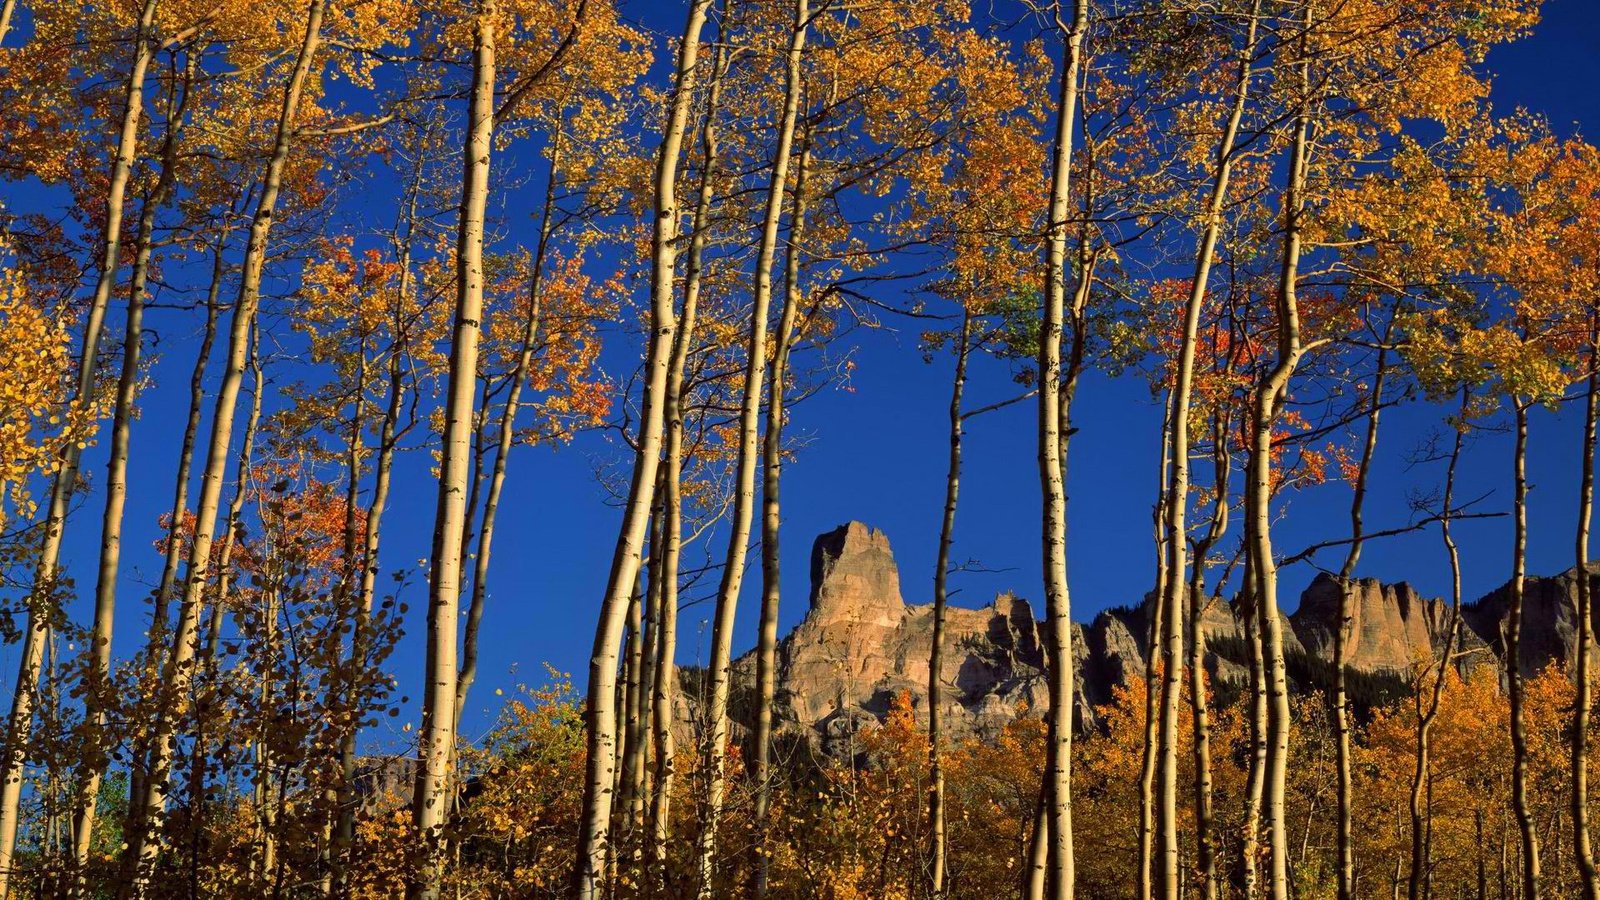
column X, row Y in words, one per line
column 861, row 644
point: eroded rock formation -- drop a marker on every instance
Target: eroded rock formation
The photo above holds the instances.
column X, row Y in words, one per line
column 861, row 644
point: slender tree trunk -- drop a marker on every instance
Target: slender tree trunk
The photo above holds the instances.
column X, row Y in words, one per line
column 1058, row 751
column 1178, row 489
column 431, row 803
column 1199, row 701
column 206, row 668
column 505, row 437
column 1345, row 782
column 97, row 693
column 7, row 9
column 1270, row 396
column 1155, row 638
column 42, row 601
column 665, row 688
column 1521, row 803
column 595, row 826
column 383, row 464
column 156, row 640
column 941, row 572
column 771, row 518
column 1421, row 820
column 744, row 478
column 1037, row 878
column 147, row 808
column 1255, row 777
column 1582, row 850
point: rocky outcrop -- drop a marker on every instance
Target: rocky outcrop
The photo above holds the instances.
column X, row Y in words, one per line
column 1549, row 618
column 860, row 644
column 1392, row 628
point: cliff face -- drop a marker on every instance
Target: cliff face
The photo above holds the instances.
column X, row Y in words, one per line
column 860, row 644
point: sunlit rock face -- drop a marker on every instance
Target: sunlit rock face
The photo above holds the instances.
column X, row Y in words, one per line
column 861, row 645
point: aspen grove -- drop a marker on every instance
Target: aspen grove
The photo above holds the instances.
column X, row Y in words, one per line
column 414, row 415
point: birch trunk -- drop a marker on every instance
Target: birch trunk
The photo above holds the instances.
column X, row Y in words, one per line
column 595, row 825
column 1581, row 847
column 745, row 475
column 771, row 520
column 97, row 693
column 941, row 572
column 431, row 803
column 147, row 808
column 42, row 600
column 1058, row 752
column 1520, row 802
column 1177, row 495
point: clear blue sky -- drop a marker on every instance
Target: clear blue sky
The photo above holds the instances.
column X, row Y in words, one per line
column 877, row 453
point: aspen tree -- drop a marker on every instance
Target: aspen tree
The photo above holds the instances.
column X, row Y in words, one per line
column 595, row 825
column 664, row 688
column 744, row 478
column 941, row 571
column 1584, row 649
column 1058, row 627
column 1421, row 770
column 1344, row 844
column 43, row 598
column 1177, row 493
column 771, row 515
column 1271, row 393
column 431, row 803
column 1154, row 638
column 148, row 805
column 1516, row 692
column 116, row 485
column 1199, row 701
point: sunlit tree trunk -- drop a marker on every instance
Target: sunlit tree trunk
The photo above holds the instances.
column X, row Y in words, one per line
column 941, row 572
column 206, row 693
column 1256, row 767
column 97, row 697
column 7, row 9
column 43, row 598
column 431, row 804
column 1270, row 396
column 147, row 808
column 595, row 825
column 665, row 687
column 1155, row 638
column 771, row 519
column 1521, row 803
column 1582, row 851
column 1421, row 770
column 1199, row 701
column 1177, row 495
column 1058, row 611
column 745, row 476
column 1345, row 783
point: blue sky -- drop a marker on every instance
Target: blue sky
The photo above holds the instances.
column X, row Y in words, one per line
column 876, row 452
